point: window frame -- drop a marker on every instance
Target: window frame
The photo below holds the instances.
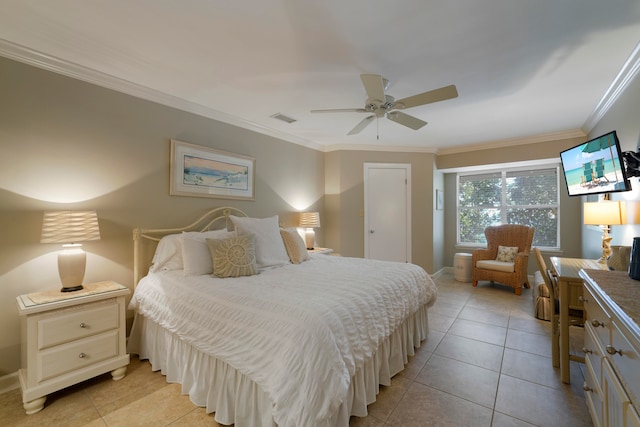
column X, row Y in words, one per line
column 503, row 206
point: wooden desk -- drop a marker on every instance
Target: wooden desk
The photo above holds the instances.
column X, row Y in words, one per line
column 570, row 292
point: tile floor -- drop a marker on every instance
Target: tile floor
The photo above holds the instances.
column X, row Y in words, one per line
column 486, row 362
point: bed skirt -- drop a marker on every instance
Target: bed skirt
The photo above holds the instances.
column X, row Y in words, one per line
column 236, row 399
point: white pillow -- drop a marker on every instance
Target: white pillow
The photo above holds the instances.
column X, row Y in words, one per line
column 295, row 246
column 168, row 255
column 195, row 252
column 270, row 250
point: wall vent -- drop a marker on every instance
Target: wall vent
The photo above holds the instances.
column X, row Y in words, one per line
column 280, row 116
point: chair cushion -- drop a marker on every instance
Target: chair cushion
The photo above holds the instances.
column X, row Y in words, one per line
column 508, row 267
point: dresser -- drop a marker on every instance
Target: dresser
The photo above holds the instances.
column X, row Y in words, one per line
column 612, row 347
column 69, row 337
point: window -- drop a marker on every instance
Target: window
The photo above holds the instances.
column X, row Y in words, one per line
column 511, row 196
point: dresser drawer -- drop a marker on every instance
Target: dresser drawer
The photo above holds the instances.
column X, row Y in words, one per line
column 594, row 352
column 597, row 317
column 76, row 355
column 75, row 323
column 593, row 392
column 626, row 362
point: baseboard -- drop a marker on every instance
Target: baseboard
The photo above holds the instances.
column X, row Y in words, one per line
column 442, row 271
column 9, row 382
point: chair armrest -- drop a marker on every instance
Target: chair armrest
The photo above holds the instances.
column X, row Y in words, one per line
column 479, row 255
column 521, row 262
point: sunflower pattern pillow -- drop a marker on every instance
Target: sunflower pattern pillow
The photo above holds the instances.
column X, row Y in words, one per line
column 233, row 257
column 507, row 253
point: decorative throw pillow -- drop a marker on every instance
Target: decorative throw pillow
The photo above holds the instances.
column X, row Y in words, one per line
column 270, row 251
column 195, row 253
column 233, row 257
column 295, row 246
column 507, row 253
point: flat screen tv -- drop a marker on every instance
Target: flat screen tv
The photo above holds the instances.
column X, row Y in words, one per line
column 595, row 167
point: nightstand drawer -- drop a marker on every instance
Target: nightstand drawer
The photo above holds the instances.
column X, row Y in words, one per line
column 75, row 323
column 76, row 355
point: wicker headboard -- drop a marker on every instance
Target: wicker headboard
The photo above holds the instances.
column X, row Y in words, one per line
column 146, row 240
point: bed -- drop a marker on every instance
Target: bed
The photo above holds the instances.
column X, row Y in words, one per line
column 305, row 340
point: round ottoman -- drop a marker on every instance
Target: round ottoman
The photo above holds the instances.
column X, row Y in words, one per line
column 462, row 267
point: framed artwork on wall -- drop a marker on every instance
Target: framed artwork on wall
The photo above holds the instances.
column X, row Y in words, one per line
column 204, row 172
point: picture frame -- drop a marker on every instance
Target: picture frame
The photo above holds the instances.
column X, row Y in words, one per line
column 439, row 200
column 198, row 171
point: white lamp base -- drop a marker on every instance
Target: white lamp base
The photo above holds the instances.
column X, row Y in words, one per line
column 310, row 238
column 71, row 264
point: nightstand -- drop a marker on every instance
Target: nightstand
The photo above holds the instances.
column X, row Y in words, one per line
column 317, row 250
column 69, row 337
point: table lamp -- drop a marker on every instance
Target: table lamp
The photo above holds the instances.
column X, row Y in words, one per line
column 309, row 221
column 70, row 228
column 604, row 214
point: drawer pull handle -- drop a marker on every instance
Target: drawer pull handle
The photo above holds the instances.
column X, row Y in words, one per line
column 596, row 323
column 83, row 325
column 82, row 355
column 585, row 350
column 612, row 350
column 585, row 387
column 582, row 299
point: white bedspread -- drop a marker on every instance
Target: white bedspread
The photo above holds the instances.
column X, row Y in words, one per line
column 299, row 331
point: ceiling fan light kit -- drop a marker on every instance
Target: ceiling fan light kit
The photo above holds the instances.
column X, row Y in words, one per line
column 379, row 104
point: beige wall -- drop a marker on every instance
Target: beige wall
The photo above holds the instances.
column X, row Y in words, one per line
column 344, row 206
column 71, row 145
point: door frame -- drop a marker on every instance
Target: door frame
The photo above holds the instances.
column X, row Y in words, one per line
column 407, row 168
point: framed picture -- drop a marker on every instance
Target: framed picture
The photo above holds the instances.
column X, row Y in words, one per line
column 439, row 200
column 204, row 172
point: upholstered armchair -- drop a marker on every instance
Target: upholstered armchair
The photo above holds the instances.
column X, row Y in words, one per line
column 506, row 258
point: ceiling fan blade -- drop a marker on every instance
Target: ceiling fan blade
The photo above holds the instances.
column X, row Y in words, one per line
column 406, row 120
column 363, row 124
column 374, row 85
column 436, row 95
column 342, row 110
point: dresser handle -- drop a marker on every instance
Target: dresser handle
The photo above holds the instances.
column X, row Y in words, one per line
column 83, row 325
column 581, row 299
column 82, row 355
column 596, row 323
column 612, row 350
column 585, row 350
column 585, row 387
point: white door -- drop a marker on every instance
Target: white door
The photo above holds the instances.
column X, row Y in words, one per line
column 387, row 211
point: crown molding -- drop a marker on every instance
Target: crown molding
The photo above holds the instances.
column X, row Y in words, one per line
column 553, row 136
column 373, row 147
column 625, row 76
column 60, row 66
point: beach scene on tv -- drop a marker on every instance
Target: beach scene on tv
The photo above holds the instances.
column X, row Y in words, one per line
column 593, row 167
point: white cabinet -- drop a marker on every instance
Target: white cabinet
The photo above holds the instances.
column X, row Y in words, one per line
column 71, row 337
column 612, row 348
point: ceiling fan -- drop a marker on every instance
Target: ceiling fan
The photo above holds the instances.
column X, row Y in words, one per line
column 379, row 104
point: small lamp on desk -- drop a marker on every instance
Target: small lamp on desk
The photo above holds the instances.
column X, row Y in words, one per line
column 604, row 214
column 309, row 221
column 70, row 228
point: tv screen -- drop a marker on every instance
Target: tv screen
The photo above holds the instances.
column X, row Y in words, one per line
column 595, row 167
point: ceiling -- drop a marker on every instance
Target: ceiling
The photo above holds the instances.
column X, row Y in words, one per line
column 523, row 69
